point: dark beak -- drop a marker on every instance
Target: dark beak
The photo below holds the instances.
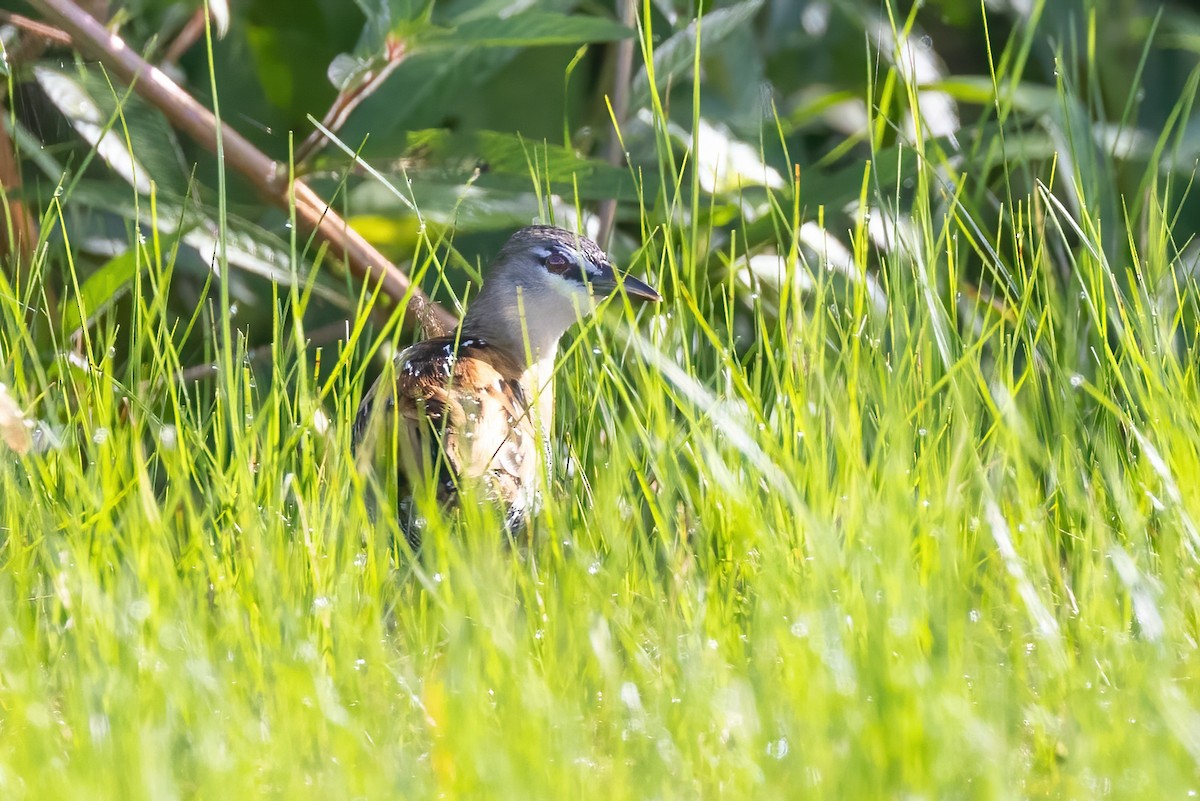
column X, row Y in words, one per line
column 609, row 281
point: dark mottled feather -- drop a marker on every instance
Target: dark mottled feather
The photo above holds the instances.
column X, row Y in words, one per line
column 462, row 416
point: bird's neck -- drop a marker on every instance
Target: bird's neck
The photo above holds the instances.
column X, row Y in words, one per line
column 531, row 350
column 526, row 327
column 537, row 382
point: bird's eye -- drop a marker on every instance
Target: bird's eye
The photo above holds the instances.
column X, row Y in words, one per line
column 557, row 262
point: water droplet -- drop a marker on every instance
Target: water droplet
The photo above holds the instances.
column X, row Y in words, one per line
column 98, row 727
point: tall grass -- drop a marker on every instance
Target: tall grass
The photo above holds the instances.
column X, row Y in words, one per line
column 799, row 543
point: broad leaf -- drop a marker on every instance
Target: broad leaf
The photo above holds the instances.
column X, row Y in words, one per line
column 676, row 56
column 463, row 206
column 531, row 29
column 91, row 106
column 248, row 246
column 100, row 290
column 500, row 156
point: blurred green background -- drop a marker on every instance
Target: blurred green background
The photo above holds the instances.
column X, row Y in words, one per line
column 497, row 114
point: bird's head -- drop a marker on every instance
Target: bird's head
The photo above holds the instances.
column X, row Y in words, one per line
column 543, row 280
column 543, row 257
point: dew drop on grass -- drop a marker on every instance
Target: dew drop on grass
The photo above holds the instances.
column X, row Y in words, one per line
column 98, row 727
column 926, row 42
column 1077, row 380
column 168, row 437
column 100, row 435
column 777, row 749
column 140, row 610
column 593, row 568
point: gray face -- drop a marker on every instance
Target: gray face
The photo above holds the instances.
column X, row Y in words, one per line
column 542, row 281
column 572, row 266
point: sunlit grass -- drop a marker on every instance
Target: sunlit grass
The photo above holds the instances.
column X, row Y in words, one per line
column 798, row 543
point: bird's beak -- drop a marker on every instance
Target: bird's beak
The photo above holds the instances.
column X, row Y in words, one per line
column 609, row 281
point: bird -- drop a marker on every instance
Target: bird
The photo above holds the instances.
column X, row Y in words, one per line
column 476, row 405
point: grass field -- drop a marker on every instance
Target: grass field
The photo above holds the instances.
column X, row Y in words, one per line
column 825, row 529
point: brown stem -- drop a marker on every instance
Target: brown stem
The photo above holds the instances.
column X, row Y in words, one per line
column 47, row 32
column 268, row 176
column 18, row 233
column 349, row 98
column 622, row 77
column 191, row 32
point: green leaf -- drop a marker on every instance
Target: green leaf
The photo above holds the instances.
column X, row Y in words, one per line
column 487, row 180
column 90, row 105
column 499, row 155
column 532, row 29
column 418, row 94
column 463, row 206
column 100, row 290
column 346, row 70
column 249, row 247
column 676, row 55
column 1026, row 97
